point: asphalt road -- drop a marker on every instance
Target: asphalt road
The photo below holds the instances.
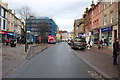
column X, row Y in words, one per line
column 58, row 61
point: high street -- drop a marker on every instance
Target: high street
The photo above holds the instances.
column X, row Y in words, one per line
column 58, row 61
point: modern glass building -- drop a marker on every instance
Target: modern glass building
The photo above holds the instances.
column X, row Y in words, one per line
column 40, row 27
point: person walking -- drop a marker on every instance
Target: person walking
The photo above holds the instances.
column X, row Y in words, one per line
column 119, row 45
column 7, row 41
column 101, row 44
column 91, row 43
column 115, row 51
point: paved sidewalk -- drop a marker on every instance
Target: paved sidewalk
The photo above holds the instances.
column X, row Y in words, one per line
column 105, row 50
column 12, row 57
column 34, row 50
column 101, row 61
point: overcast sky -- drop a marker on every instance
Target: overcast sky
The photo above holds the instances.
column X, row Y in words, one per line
column 62, row 11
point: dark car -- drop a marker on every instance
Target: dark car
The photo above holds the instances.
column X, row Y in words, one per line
column 78, row 43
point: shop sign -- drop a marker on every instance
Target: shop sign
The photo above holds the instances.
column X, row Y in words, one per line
column 106, row 29
column 3, row 32
column 10, row 33
column 80, row 35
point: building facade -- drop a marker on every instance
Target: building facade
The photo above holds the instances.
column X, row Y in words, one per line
column 95, row 22
column 10, row 25
column 88, row 23
column 3, row 21
column 41, row 27
column 109, row 22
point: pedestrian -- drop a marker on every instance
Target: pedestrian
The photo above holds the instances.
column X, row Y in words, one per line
column 105, row 42
column 99, row 44
column 32, row 41
column 91, row 43
column 119, row 45
column 7, row 41
column 115, row 51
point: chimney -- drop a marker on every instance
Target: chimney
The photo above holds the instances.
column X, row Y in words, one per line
column 86, row 10
column 14, row 12
column 10, row 10
column 92, row 5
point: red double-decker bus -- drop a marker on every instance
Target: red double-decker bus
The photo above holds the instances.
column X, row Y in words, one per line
column 52, row 39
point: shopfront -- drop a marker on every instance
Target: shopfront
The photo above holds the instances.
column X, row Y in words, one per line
column 10, row 35
column 95, row 36
column 2, row 36
column 107, row 35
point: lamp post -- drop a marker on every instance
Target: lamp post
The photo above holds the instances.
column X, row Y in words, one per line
column 26, row 45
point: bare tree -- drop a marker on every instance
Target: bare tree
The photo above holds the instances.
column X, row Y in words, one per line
column 24, row 12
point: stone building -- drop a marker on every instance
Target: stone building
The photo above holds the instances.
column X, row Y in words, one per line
column 108, row 22
column 3, row 21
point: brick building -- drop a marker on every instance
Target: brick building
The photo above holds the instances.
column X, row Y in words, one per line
column 95, row 22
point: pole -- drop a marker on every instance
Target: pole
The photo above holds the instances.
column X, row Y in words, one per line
column 26, row 44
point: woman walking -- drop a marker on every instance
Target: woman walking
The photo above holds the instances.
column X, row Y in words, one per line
column 115, row 51
column 99, row 44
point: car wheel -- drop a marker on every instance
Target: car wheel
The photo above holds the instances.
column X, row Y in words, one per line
column 83, row 49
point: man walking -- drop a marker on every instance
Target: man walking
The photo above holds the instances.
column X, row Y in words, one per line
column 115, row 51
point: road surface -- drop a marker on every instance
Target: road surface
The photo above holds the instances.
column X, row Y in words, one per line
column 58, row 61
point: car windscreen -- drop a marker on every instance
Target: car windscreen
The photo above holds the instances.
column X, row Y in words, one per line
column 80, row 40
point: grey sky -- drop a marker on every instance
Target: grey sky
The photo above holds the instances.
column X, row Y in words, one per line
column 62, row 11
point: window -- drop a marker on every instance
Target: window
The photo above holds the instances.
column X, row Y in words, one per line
column 112, row 1
column 4, row 14
column 0, row 23
column 4, row 24
column 104, row 4
column 0, row 11
column 105, row 20
column 112, row 17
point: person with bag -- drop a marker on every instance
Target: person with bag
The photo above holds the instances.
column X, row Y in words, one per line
column 7, row 41
column 115, row 51
column 99, row 44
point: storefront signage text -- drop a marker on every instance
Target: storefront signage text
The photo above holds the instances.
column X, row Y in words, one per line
column 106, row 29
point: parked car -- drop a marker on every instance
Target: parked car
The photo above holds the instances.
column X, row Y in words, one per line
column 78, row 43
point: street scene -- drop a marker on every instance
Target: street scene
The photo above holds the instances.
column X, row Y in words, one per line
column 60, row 39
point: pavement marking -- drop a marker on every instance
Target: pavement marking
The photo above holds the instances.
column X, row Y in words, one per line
column 95, row 68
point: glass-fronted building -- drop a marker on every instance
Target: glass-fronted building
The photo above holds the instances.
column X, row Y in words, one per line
column 40, row 27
